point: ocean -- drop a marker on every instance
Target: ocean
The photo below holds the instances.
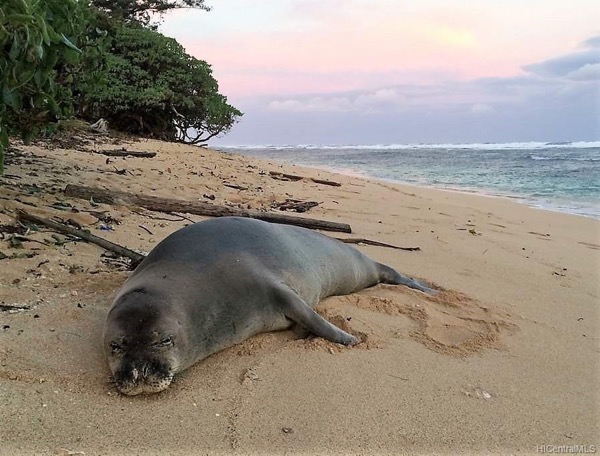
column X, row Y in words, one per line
column 563, row 176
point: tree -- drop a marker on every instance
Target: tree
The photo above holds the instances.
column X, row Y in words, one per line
column 38, row 62
column 154, row 88
column 144, row 11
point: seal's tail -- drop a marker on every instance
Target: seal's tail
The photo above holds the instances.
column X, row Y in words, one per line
column 391, row 276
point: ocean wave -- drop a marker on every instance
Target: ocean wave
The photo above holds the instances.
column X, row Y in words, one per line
column 448, row 146
column 563, row 158
column 538, row 157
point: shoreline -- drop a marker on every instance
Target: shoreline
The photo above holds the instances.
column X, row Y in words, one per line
column 529, row 201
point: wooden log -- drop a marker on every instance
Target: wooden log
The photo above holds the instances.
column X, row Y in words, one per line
column 377, row 244
column 136, row 258
column 283, row 176
column 126, row 153
column 325, row 182
column 292, row 177
column 168, row 205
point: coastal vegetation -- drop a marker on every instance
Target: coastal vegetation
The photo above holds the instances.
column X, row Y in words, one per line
column 98, row 58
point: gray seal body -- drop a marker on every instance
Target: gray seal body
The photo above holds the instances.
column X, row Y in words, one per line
column 215, row 283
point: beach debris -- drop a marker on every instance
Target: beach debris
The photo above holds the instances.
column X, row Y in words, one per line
column 295, row 205
column 249, row 376
column 123, row 152
column 73, row 223
column 65, row 452
column 62, row 206
column 474, row 232
column 539, row 234
column 376, row 244
column 398, row 377
column 287, row 430
column 103, row 216
column 160, row 204
column 147, row 230
column 477, row 392
column 13, row 229
column 100, row 126
column 210, row 197
column 235, row 186
column 294, row 178
column 560, row 273
column 135, row 257
column 13, row 308
column 116, row 261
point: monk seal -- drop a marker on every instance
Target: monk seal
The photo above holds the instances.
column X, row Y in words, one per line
column 215, row 283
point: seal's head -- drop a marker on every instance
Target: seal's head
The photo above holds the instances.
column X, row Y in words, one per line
column 143, row 343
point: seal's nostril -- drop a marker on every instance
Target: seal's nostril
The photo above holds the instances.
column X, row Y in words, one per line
column 145, row 370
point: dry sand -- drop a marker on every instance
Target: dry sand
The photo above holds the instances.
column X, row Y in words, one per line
column 505, row 360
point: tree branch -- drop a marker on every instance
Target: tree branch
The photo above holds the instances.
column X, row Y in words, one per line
column 135, row 257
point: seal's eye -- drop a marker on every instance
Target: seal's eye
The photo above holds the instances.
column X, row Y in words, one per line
column 115, row 348
column 166, row 342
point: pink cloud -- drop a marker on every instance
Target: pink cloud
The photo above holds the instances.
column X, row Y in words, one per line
column 322, row 46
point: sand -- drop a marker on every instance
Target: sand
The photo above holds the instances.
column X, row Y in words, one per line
column 506, row 359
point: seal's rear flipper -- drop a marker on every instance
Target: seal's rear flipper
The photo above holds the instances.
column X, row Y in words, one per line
column 393, row 277
column 301, row 313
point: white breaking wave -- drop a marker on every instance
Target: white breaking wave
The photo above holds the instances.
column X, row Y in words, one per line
column 474, row 146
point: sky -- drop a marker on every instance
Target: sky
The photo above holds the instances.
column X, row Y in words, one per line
column 400, row 71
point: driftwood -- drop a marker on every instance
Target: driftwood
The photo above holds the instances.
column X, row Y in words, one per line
column 295, row 205
column 376, row 243
column 234, row 186
column 13, row 309
column 136, row 258
column 159, row 204
column 292, row 177
column 126, row 153
column 100, row 126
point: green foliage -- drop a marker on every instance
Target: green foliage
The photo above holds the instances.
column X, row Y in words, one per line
column 38, row 57
column 145, row 11
column 103, row 58
column 155, row 89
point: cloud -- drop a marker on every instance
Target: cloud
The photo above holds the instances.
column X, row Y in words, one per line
column 481, row 108
column 566, row 76
column 565, row 65
column 593, row 42
column 588, row 72
column 478, row 95
column 553, row 100
column 577, row 65
column 313, row 104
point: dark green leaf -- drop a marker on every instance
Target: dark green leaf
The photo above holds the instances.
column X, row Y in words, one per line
column 12, row 98
column 66, row 41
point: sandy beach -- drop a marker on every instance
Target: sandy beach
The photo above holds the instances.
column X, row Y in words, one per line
column 504, row 360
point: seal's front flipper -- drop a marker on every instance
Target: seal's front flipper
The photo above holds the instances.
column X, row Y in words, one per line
column 301, row 313
column 393, row 277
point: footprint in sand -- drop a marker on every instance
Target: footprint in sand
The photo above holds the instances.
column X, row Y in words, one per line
column 449, row 323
